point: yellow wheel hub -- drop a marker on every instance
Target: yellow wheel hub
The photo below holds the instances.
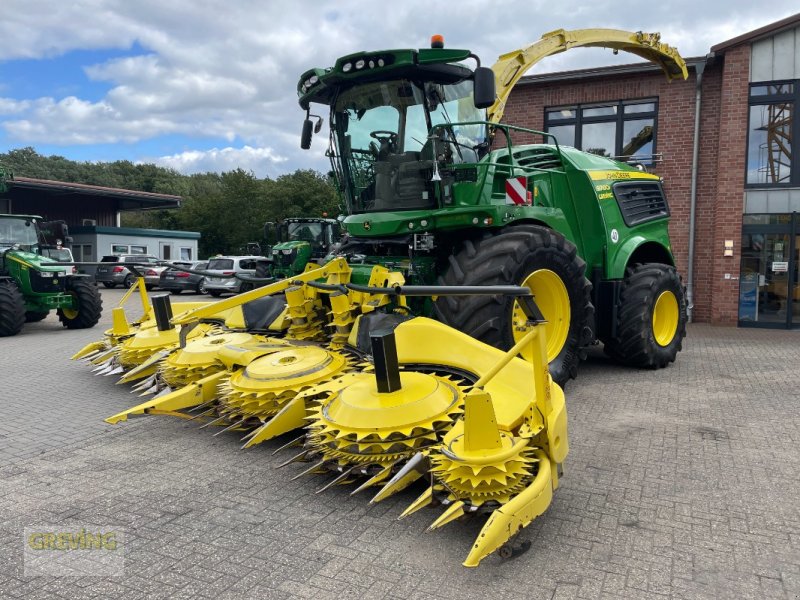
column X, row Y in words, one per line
column 262, row 388
column 488, row 475
column 69, row 313
column 198, row 359
column 552, row 299
column 666, row 315
column 137, row 349
column 360, row 425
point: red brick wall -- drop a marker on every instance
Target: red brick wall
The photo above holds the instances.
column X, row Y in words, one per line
column 729, row 203
column 719, row 207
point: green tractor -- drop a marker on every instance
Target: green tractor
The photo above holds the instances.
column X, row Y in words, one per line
column 435, row 186
column 300, row 241
column 31, row 285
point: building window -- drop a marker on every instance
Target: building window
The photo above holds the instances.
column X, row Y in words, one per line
column 82, row 252
column 624, row 130
column 138, row 249
column 119, row 249
column 771, row 129
column 186, row 253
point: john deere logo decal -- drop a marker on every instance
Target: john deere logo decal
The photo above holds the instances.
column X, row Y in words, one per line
column 367, row 225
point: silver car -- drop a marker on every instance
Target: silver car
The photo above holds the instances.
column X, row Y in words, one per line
column 114, row 272
column 226, row 266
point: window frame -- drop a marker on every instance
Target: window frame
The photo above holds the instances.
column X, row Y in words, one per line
column 618, row 119
column 794, row 98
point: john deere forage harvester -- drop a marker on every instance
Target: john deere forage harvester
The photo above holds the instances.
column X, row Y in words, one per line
column 435, row 186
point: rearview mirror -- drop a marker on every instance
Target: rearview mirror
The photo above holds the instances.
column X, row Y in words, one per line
column 484, row 91
column 305, row 137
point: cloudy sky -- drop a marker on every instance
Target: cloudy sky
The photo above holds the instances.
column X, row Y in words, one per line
column 209, row 85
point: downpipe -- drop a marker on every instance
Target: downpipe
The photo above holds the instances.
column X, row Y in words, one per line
column 699, row 68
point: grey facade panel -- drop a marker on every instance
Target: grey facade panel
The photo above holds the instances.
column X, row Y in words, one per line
column 778, row 201
column 777, row 57
column 797, row 53
column 783, row 51
column 755, row 201
column 772, row 201
column 761, row 60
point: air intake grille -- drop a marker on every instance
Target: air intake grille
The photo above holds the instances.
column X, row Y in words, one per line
column 641, row 201
column 537, row 158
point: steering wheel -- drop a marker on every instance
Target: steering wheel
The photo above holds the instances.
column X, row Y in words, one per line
column 386, row 139
column 384, row 136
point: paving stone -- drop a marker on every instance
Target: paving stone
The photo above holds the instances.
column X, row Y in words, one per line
column 680, row 483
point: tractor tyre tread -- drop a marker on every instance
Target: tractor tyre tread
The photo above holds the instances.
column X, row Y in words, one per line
column 634, row 344
column 506, row 259
column 90, row 306
column 12, row 308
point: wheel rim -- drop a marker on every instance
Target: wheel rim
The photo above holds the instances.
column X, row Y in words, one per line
column 552, row 299
column 665, row 318
column 70, row 313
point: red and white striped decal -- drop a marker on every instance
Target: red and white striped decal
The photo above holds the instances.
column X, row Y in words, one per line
column 516, row 190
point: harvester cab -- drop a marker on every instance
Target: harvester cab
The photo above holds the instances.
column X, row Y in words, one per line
column 435, row 186
column 31, row 285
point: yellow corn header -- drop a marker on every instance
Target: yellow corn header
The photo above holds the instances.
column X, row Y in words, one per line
column 378, row 400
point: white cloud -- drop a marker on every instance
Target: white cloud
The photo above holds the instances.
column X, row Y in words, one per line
column 9, row 106
column 261, row 161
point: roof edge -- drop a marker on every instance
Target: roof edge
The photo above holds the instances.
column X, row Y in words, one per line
column 756, row 34
column 89, row 189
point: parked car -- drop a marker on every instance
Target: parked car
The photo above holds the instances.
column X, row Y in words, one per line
column 61, row 255
column 116, row 273
column 178, row 281
column 230, row 265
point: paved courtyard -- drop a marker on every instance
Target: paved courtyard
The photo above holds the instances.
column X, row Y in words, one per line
column 680, row 483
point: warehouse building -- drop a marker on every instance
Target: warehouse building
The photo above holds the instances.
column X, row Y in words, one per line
column 93, row 215
column 733, row 188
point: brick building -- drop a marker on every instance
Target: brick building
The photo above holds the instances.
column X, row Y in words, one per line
column 746, row 249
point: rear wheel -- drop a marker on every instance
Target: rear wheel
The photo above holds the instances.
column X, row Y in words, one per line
column 201, row 286
column 33, row 316
column 12, row 308
column 89, row 306
column 129, row 281
column 109, row 285
column 535, row 257
column 651, row 317
column 245, row 287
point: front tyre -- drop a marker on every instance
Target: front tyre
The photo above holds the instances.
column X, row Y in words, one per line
column 12, row 308
column 531, row 256
column 651, row 317
column 88, row 306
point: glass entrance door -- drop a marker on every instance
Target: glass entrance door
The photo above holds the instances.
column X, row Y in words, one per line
column 769, row 282
column 764, row 283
